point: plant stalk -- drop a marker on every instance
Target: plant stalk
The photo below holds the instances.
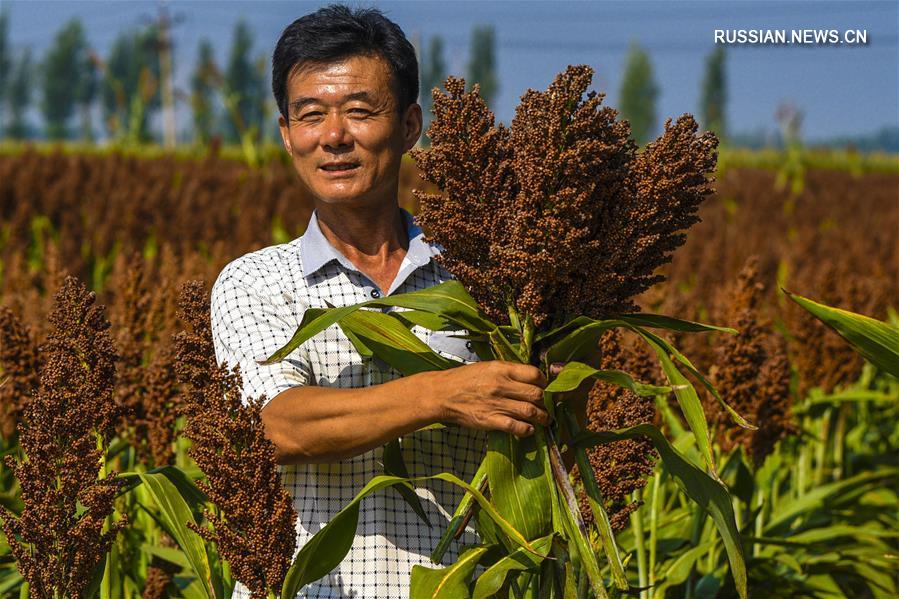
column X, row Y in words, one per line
column 637, row 525
column 654, row 525
column 594, row 498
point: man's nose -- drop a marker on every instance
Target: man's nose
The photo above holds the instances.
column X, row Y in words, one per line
column 335, row 134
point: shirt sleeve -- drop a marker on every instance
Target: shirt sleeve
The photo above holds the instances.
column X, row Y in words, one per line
column 249, row 325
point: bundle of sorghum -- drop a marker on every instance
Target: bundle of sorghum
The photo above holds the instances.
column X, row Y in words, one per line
column 58, row 539
column 558, row 215
column 623, row 466
column 553, row 219
column 752, row 374
column 255, row 532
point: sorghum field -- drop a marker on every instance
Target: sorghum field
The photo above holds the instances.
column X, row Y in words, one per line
column 108, row 377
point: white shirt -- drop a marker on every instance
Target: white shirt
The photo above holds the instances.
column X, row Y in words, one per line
column 257, row 303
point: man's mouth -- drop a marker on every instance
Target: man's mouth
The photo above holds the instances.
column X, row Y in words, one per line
column 339, row 167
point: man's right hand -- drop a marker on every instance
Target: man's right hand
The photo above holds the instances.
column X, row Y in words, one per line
column 493, row 395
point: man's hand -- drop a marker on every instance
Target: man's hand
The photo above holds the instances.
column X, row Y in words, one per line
column 493, row 395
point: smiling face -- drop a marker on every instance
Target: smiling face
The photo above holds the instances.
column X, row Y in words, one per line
column 345, row 134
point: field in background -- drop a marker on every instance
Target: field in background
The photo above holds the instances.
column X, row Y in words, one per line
column 138, row 223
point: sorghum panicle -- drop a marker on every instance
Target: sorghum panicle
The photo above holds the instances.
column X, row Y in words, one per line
column 622, row 467
column 558, row 215
column 146, row 386
column 751, row 373
column 20, row 363
column 63, row 430
column 256, row 531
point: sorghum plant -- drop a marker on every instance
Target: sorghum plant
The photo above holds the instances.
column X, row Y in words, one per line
column 551, row 227
column 145, row 387
column 255, row 527
column 752, row 373
column 20, row 362
column 65, row 527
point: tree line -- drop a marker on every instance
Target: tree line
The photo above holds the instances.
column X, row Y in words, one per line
column 133, row 83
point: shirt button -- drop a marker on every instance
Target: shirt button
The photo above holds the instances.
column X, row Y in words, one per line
column 468, row 345
column 375, row 293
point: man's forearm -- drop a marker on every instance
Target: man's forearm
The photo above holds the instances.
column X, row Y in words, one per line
column 323, row 424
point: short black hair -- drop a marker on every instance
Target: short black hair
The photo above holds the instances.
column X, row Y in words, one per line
column 336, row 32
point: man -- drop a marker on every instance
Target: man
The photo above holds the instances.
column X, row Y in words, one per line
column 346, row 84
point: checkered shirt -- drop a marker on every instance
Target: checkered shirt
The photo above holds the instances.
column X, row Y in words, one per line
column 257, row 303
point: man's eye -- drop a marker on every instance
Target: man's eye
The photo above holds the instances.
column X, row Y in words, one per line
column 359, row 111
column 313, row 114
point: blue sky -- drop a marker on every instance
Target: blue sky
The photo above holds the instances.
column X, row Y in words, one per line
column 843, row 90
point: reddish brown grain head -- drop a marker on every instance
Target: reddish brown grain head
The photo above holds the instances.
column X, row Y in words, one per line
column 72, row 410
column 256, row 530
column 558, row 215
column 751, row 373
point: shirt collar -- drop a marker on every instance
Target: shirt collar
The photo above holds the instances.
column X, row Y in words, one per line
column 316, row 251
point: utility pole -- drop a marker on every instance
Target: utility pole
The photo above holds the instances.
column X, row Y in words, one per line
column 165, row 71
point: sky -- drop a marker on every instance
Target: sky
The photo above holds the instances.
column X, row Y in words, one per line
column 843, row 90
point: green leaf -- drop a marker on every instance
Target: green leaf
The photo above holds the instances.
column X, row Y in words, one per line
column 459, row 516
column 707, row 492
column 449, row 300
column 689, row 402
column 660, row 321
column 169, row 554
column 673, row 351
column 876, row 341
column 359, row 345
column 111, row 584
column 394, row 465
column 176, row 513
column 788, row 509
column 446, row 583
column 490, row 582
column 428, row 320
column 517, row 484
column 502, row 347
column 550, row 337
column 389, row 340
column 315, row 320
column 489, row 509
column 579, row 341
column 679, row 570
column 573, row 373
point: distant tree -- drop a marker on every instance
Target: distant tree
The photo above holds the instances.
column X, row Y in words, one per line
column 19, row 95
column 62, row 73
column 714, row 93
column 5, row 61
column 482, row 61
column 245, row 90
column 206, row 77
column 433, row 74
column 86, row 93
column 639, row 92
column 130, row 88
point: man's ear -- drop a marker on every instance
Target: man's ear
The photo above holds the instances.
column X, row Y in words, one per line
column 412, row 125
column 284, row 127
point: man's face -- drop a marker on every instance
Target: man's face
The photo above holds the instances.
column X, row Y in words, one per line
column 345, row 134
